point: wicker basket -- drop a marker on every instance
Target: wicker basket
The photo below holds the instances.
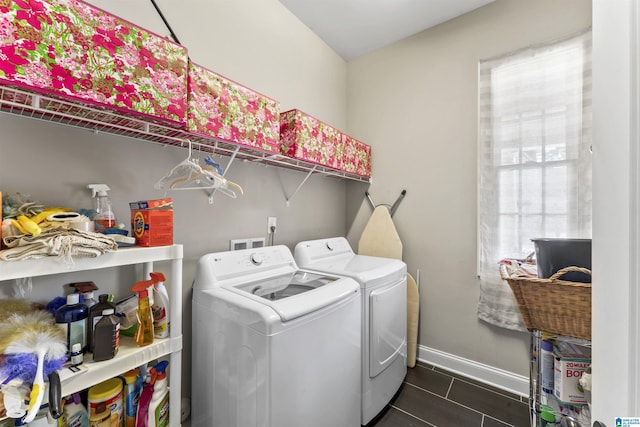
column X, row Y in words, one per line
column 553, row 305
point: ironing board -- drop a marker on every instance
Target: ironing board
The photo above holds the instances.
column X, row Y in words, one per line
column 380, row 238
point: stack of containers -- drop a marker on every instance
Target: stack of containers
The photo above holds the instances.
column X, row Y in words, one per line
column 306, row 138
column 75, row 51
column 226, row 110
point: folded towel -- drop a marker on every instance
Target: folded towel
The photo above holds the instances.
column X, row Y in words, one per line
column 65, row 243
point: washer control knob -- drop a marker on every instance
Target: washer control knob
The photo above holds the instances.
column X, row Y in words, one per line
column 256, row 259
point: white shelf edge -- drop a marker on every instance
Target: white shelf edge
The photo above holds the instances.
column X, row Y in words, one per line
column 55, row 265
column 129, row 356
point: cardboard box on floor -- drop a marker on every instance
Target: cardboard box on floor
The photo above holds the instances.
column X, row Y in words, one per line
column 152, row 222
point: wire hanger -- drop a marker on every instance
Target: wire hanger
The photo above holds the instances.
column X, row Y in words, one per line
column 190, row 175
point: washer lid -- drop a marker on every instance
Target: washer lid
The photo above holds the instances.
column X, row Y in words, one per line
column 336, row 257
column 297, row 294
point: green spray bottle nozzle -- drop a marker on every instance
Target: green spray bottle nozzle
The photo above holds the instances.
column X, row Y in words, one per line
column 142, row 288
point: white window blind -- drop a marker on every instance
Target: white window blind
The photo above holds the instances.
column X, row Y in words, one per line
column 534, row 160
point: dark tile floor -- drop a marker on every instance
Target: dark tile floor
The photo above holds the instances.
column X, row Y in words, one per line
column 434, row 397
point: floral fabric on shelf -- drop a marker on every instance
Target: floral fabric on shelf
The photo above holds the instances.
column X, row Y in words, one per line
column 228, row 111
column 72, row 49
column 357, row 157
column 306, row 138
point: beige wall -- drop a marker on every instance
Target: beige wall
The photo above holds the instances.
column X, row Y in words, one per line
column 415, row 103
column 255, row 42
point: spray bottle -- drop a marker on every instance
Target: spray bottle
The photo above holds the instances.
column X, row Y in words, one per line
column 158, row 413
column 160, row 306
column 142, row 415
column 144, row 331
column 104, row 217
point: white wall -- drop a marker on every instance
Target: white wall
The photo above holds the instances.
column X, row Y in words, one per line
column 257, row 43
column 616, row 212
column 415, row 103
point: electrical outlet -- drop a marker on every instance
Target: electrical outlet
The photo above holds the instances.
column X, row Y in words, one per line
column 272, row 222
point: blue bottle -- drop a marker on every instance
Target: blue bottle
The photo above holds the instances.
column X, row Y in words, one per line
column 73, row 317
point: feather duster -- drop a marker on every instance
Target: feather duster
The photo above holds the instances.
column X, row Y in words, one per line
column 33, row 334
column 13, row 306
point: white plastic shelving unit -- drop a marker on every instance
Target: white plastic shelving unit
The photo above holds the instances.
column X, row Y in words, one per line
column 129, row 355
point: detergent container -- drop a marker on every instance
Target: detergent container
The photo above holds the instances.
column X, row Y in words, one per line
column 159, row 404
column 132, row 395
column 104, row 217
column 106, row 396
column 102, row 418
column 160, row 307
column 144, row 331
column 72, row 317
column 75, row 413
column 546, row 366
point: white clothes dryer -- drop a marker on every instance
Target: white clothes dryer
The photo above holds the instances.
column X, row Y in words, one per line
column 273, row 345
column 383, row 283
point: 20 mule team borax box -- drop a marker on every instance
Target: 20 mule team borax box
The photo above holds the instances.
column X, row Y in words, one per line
column 152, row 222
column 570, row 363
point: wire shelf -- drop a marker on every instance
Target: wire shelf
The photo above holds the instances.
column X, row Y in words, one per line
column 24, row 103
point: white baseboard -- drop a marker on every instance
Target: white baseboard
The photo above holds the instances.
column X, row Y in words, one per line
column 495, row 377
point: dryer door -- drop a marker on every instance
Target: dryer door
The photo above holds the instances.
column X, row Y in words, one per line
column 388, row 326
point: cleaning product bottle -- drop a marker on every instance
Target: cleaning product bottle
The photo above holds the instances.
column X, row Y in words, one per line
column 75, row 413
column 159, row 404
column 72, row 317
column 160, row 306
column 144, row 330
column 546, row 366
column 106, row 336
column 76, row 358
column 104, row 217
column 88, row 299
column 142, row 416
column 95, row 314
column 132, row 396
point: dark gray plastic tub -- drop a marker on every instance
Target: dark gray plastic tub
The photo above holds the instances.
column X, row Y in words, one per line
column 553, row 254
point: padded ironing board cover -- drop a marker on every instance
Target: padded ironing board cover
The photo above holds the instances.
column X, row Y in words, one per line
column 380, row 238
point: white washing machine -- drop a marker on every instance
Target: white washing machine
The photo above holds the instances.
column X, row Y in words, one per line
column 273, row 345
column 383, row 283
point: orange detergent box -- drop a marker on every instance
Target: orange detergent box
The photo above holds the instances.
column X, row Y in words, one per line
column 152, row 222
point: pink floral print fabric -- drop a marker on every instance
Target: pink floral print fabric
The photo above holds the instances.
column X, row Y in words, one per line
column 221, row 108
column 307, row 138
column 72, row 49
